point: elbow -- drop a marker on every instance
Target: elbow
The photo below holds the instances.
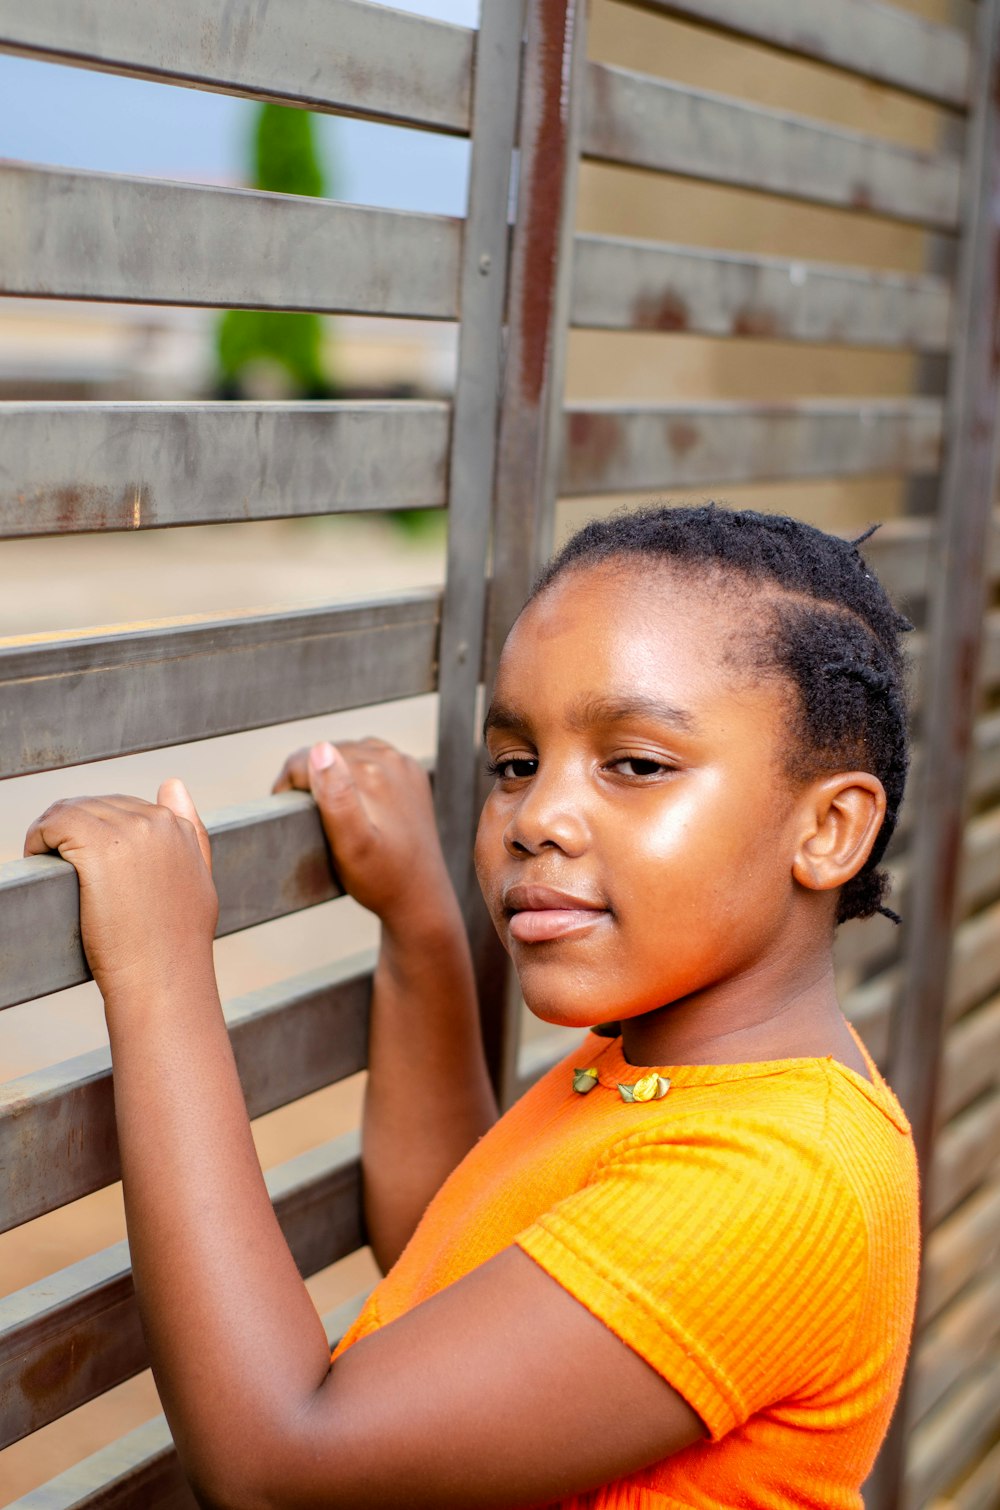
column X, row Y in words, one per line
column 228, row 1477
column 257, row 1470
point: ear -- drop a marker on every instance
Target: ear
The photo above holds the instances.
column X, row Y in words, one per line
column 842, row 817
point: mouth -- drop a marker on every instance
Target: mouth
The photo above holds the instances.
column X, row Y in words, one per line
column 537, row 914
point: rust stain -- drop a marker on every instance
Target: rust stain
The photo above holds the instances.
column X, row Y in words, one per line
column 82, row 506
column 544, row 167
column 595, row 442
column 682, row 436
column 756, row 321
column 861, row 196
column 48, row 1375
column 663, row 311
column 309, row 881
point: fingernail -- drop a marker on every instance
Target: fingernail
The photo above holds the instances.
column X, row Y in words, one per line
column 322, row 756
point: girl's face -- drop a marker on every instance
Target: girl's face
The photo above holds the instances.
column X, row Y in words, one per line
column 637, row 844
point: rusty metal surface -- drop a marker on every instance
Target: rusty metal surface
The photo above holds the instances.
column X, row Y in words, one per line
column 622, row 284
column 75, row 1334
column 341, row 55
column 78, row 235
column 57, row 1126
column 530, row 405
column 269, row 859
column 882, row 42
column 139, row 1471
column 956, row 626
column 645, row 122
column 614, row 448
column 947, row 971
column 86, row 696
column 70, row 468
column 474, row 431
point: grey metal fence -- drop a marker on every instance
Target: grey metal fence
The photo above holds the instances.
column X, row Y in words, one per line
column 499, row 456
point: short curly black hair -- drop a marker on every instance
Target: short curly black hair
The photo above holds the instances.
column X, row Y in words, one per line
column 828, row 626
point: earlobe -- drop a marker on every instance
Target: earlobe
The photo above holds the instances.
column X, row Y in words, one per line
column 844, row 815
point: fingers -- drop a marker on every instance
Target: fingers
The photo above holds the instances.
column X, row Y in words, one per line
column 173, row 794
column 294, row 774
column 331, row 781
column 67, row 823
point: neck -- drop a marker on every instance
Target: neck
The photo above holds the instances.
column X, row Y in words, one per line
column 787, row 1009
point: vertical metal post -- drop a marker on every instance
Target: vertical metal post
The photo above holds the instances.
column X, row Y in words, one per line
column 531, row 407
column 968, row 488
column 474, row 424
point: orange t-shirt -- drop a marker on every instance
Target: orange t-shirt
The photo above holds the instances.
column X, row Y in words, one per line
column 753, row 1236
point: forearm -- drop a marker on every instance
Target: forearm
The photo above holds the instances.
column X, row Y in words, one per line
column 429, row 1096
column 236, row 1345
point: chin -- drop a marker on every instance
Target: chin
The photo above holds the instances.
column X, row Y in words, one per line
column 567, row 1012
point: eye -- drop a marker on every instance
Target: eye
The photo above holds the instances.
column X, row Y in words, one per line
column 640, row 765
column 512, row 767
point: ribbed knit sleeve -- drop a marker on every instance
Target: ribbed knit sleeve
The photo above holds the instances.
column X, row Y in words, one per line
column 728, row 1253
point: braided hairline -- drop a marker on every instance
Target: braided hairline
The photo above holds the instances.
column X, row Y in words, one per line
column 805, row 648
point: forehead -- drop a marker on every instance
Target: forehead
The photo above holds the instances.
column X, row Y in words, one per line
column 616, row 631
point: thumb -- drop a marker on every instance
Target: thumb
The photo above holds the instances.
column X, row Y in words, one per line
column 175, row 795
column 332, row 784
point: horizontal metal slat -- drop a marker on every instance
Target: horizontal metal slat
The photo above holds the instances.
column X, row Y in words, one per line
column 980, row 876
column 76, row 1334
column 341, row 55
column 975, row 971
column 645, row 122
column 79, row 235
column 621, row 284
column 881, row 42
column 140, row 1471
column 615, row 448
column 957, row 1342
column 965, row 1152
column 966, row 1243
column 79, row 697
column 985, row 773
column 269, row 858
column 69, row 468
column 57, row 1126
column 951, row 1437
column 971, row 1058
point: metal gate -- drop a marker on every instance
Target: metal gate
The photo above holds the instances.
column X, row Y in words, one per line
column 510, row 444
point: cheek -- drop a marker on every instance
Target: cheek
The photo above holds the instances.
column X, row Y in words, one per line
column 488, row 850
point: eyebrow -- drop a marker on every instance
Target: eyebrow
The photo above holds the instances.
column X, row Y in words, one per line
column 598, row 710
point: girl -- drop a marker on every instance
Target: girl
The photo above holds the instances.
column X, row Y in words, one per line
column 681, row 1270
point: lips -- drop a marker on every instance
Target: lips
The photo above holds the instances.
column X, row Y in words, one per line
column 540, row 913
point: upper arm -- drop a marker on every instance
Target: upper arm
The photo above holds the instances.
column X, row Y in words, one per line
column 502, row 1390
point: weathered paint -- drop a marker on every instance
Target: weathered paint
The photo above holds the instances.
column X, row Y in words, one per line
column 68, row 468
column 621, row 284
column 77, row 1333
column 880, row 42
column 333, row 55
column 78, row 235
column 647, row 122
column 88, row 696
column 616, row 448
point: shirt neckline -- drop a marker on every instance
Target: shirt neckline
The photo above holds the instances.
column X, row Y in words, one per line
column 608, row 1058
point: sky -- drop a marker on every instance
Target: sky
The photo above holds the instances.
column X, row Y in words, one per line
column 76, row 118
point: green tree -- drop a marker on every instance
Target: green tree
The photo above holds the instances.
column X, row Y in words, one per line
column 285, row 159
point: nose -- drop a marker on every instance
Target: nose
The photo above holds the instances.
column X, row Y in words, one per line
column 549, row 815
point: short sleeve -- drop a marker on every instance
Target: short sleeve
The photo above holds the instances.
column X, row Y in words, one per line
column 729, row 1255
